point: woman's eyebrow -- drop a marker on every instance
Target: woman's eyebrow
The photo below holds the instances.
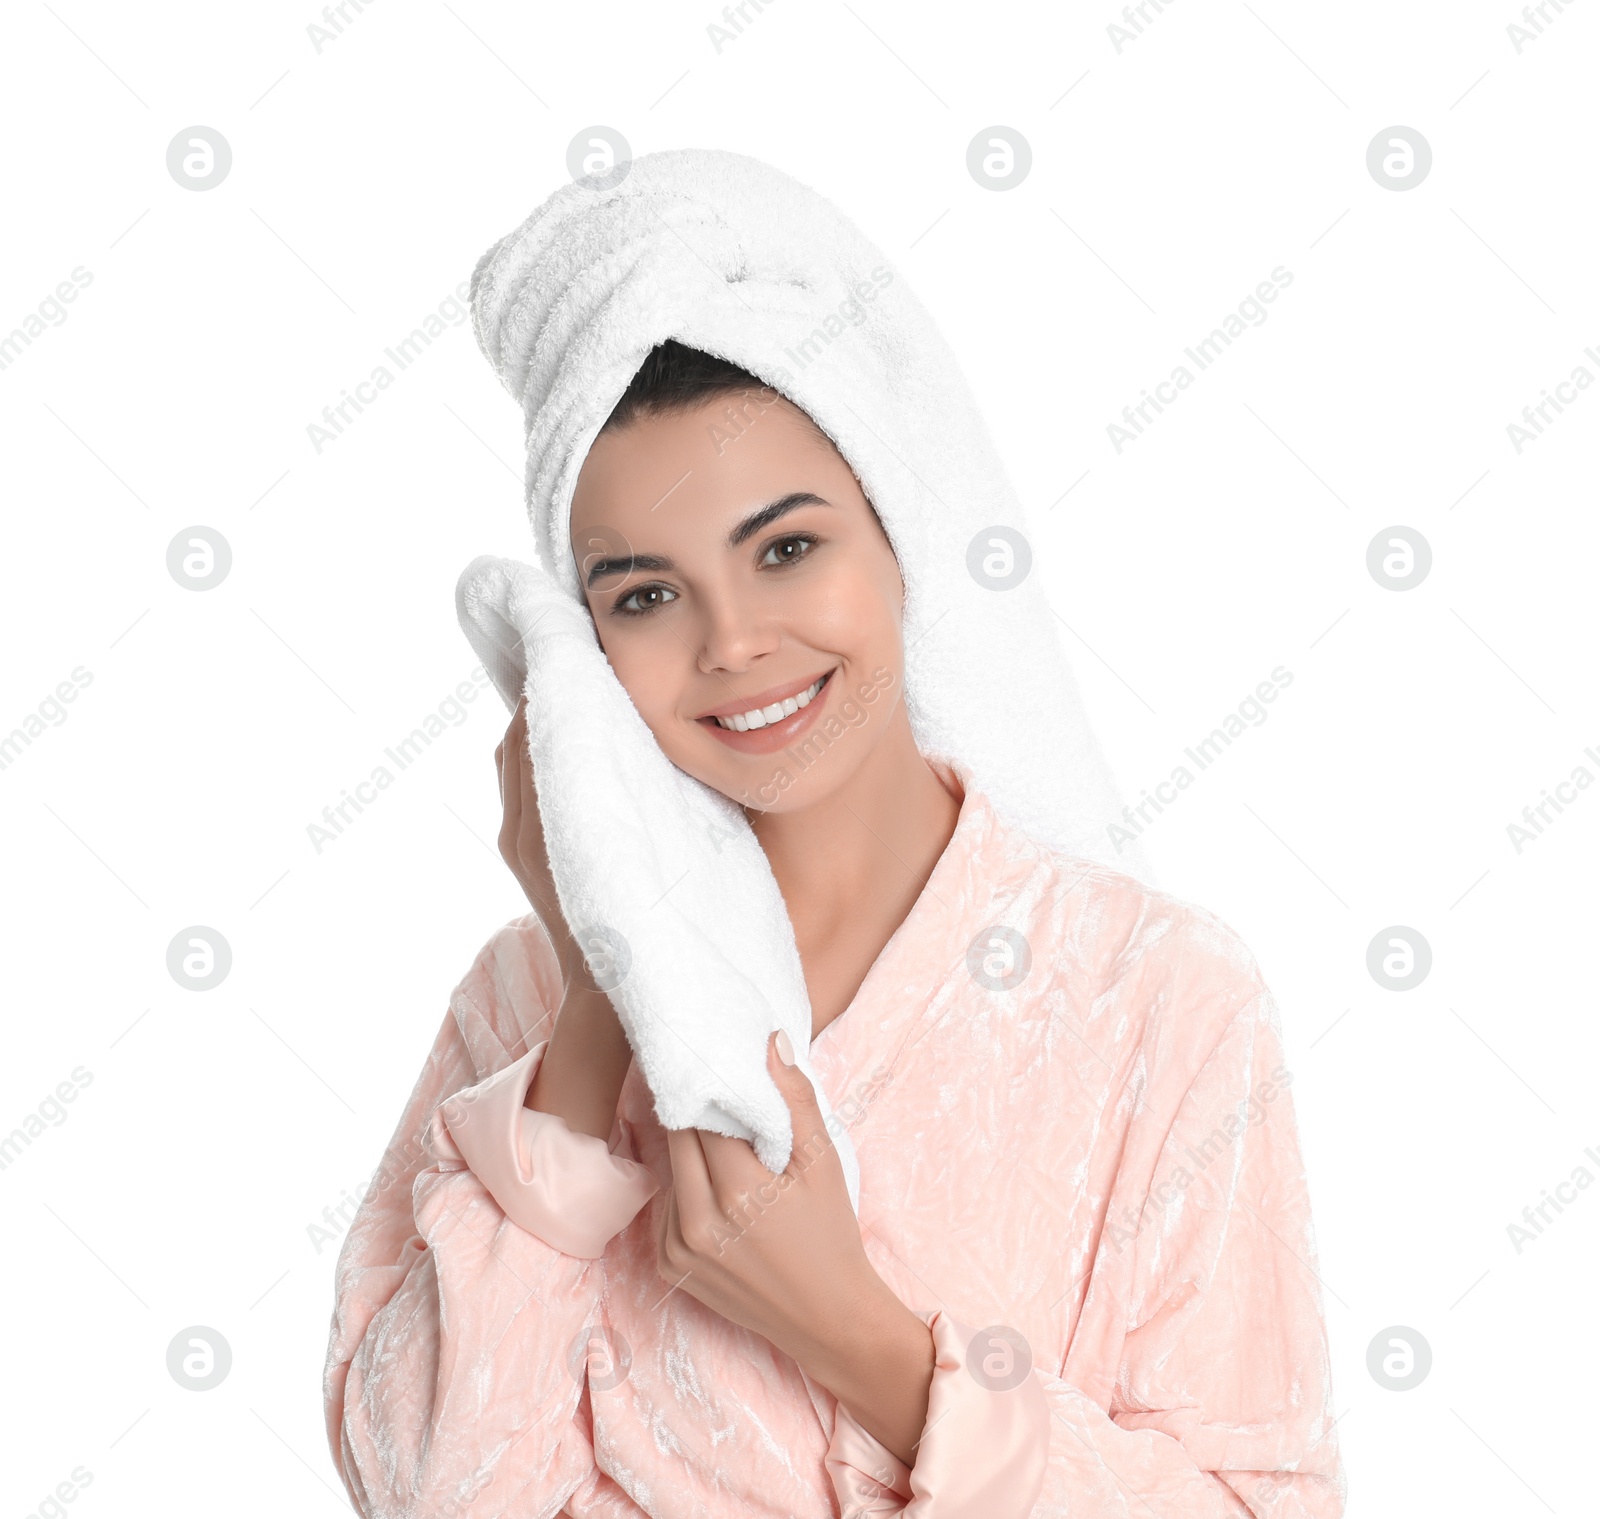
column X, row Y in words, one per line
column 770, row 513
column 626, row 564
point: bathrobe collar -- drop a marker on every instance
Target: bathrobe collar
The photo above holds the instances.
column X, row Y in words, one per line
column 969, row 892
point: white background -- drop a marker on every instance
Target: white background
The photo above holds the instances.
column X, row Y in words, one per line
column 1168, row 179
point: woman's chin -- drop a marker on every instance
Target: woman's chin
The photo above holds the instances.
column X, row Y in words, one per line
column 792, row 784
column 764, row 784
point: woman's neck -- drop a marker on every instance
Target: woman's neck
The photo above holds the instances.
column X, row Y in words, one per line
column 868, row 848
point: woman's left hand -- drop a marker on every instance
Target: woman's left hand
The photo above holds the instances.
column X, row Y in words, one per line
column 781, row 1255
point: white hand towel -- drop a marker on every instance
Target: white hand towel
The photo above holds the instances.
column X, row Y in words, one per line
column 727, row 254
column 660, row 877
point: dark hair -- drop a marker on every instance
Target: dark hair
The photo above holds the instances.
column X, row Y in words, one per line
column 676, row 377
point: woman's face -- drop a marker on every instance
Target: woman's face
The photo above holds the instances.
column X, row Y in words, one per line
column 731, row 563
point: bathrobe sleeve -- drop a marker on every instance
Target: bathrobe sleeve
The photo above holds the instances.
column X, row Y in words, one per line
column 1218, row 1401
column 466, row 1321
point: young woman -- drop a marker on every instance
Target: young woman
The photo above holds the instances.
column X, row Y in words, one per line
column 1081, row 1279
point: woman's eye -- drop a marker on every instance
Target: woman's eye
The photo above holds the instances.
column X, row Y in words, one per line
column 644, row 598
column 788, row 550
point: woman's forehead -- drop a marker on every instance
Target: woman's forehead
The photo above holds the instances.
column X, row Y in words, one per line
column 690, row 469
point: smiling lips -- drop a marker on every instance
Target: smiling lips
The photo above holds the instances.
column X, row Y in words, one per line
column 765, row 722
column 776, row 711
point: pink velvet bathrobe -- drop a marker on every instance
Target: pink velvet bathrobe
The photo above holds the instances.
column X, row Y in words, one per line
column 1088, row 1184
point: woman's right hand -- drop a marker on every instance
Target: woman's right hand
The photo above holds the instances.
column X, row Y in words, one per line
column 522, row 844
column 581, row 1074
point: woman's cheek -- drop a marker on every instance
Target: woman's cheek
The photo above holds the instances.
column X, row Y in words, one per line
column 849, row 613
column 653, row 683
column 627, row 665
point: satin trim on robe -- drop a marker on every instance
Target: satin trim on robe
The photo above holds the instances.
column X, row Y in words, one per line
column 567, row 1188
column 994, row 1439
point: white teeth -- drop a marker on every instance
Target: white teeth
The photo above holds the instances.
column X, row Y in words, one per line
column 759, row 717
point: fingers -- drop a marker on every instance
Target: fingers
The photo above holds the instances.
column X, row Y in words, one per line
column 720, row 1168
column 795, row 1085
column 528, row 806
column 731, row 1167
column 693, row 1196
column 689, row 1167
column 664, row 1231
column 805, row 1111
column 500, row 748
column 506, row 757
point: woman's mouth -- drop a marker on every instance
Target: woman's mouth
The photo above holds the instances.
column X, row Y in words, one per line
column 767, row 728
column 762, row 717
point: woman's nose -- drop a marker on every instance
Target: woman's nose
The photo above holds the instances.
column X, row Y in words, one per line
column 735, row 632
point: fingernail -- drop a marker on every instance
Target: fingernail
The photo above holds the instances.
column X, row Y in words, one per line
column 785, row 1048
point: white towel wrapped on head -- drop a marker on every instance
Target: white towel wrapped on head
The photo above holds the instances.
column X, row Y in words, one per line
column 725, row 253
